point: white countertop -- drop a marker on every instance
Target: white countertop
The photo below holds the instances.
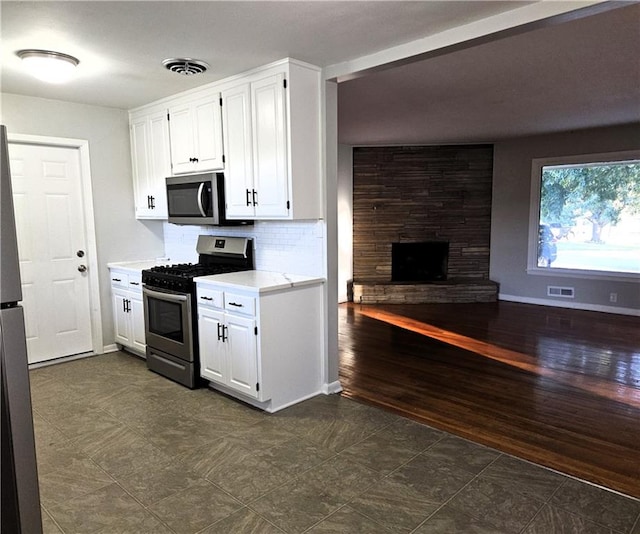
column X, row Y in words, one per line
column 136, row 266
column 259, row 281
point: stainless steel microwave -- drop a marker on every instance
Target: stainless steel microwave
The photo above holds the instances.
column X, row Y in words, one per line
column 198, row 199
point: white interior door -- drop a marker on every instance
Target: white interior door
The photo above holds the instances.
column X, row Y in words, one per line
column 50, row 226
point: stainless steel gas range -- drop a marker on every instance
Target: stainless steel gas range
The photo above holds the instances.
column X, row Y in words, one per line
column 170, row 318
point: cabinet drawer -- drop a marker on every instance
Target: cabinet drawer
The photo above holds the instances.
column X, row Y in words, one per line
column 135, row 282
column 211, row 298
column 119, row 279
column 236, row 303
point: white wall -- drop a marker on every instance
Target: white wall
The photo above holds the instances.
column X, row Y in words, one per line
column 345, row 219
column 119, row 236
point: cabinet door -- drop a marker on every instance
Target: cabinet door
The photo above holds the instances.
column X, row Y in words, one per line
column 150, row 164
column 181, row 138
column 121, row 322
column 140, row 165
column 212, row 349
column 207, row 134
column 242, row 353
column 136, row 319
column 159, row 164
column 270, row 147
column 236, row 123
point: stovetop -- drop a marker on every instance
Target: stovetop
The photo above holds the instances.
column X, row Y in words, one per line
column 217, row 255
column 190, row 270
column 180, row 277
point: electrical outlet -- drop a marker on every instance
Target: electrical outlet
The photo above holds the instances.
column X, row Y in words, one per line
column 613, row 297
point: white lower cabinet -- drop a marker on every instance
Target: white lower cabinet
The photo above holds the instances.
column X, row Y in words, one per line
column 261, row 346
column 228, row 344
column 228, row 349
column 128, row 311
column 213, row 352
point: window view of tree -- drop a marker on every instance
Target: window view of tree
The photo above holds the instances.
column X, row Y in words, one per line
column 590, row 217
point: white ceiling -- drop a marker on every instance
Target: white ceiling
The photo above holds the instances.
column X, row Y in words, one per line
column 580, row 73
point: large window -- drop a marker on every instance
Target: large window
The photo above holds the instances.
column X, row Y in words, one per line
column 585, row 216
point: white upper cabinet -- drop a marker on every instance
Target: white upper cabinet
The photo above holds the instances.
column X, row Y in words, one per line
column 151, row 163
column 270, row 170
column 236, row 111
column 271, row 125
column 196, row 135
column 262, row 128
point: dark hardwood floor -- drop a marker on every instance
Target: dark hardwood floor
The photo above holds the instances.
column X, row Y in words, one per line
column 558, row 387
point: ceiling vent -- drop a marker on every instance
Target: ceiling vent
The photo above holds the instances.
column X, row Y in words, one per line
column 185, row 66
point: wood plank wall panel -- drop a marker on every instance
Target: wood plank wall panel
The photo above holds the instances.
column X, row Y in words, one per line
column 429, row 193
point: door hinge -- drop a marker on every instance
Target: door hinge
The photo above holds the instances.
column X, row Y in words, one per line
column 223, row 158
column 257, row 386
column 168, row 116
column 288, row 205
column 284, row 82
column 255, row 330
column 220, row 101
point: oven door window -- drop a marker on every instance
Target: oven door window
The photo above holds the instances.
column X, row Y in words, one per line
column 190, row 200
column 165, row 319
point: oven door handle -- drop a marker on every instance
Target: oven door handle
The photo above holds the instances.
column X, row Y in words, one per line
column 172, row 297
column 200, row 206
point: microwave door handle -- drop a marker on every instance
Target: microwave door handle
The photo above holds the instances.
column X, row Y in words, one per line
column 200, row 207
column 164, row 296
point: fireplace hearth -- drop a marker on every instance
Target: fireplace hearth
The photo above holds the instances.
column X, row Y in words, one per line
column 419, row 262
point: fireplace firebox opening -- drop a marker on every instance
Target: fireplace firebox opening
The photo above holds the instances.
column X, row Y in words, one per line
column 419, row 262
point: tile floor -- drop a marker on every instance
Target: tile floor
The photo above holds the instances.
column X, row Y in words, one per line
column 122, row 450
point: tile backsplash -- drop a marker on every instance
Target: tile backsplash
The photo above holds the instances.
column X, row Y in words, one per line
column 295, row 247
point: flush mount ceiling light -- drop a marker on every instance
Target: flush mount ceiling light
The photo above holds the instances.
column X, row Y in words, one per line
column 49, row 66
column 185, row 66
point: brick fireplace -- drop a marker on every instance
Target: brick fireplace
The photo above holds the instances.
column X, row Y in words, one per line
column 404, row 197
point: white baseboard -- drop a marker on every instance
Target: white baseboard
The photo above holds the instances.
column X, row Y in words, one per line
column 333, row 387
column 571, row 305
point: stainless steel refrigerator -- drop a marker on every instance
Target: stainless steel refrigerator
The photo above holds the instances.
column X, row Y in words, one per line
column 20, row 502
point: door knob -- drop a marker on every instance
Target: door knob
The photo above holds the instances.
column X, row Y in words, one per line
column 82, row 268
column 80, row 253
